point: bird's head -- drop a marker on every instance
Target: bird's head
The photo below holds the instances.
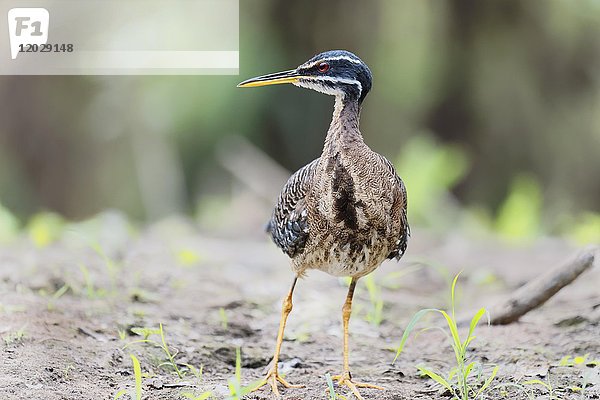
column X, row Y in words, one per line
column 337, row 72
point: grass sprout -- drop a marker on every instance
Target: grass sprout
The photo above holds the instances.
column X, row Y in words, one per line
column 57, row 295
column 112, row 267
column 223, row 317
column 236, row 390
column 332, row 395
column 580, row 362
column 546, row 385
column 15, row 337
column 192, row 396
column 457, row 382
column 570, row 361
column 91, row 291
column 137, row 373
column 162, row 344
column 375, row 314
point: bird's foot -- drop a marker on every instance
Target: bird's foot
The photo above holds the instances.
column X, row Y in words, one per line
column 272, row 378
column 346, row 380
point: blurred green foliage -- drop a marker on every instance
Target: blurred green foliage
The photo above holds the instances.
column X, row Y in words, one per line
column 430, row 171
column 488, row 107
column 9, row 225
column 45, row 228
column 519, row 216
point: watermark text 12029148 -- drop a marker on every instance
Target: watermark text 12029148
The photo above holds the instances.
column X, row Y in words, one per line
column 46, row 48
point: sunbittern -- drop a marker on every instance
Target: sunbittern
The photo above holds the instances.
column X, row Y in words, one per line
column 345, row 212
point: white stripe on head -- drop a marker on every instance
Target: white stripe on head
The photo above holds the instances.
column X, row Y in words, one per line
column 333, row 58
column 327, row 90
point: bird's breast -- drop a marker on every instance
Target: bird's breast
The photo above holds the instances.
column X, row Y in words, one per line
column 348, row 213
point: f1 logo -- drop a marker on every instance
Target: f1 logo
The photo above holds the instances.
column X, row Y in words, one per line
column 27, row 26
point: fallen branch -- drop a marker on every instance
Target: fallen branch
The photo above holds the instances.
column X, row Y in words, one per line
column 537, row 291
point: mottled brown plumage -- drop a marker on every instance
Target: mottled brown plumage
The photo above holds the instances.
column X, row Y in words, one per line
column 345, row 212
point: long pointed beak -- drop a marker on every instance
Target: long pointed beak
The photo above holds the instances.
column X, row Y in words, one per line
column 277, row 78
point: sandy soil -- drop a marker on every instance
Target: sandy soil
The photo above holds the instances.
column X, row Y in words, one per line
column 214, row 295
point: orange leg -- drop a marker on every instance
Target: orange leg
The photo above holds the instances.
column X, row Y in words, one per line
column 273, row 376
column 345, row 378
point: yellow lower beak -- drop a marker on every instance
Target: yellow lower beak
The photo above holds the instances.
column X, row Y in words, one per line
column 272, row 79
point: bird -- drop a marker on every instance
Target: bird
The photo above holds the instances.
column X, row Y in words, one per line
column 345, row 212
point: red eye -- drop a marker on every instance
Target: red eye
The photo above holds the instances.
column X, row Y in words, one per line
column 323, row 67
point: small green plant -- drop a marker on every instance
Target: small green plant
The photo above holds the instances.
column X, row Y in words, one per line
column 137, row 373
column 236, row 390
column 332, row 395
column 197, row 372
column 57, row 295
column 45, row 228
column 146, row 333
column 458, row 380
column 91, row 291
column 122, row 333
column 375, row 314
column 67, row 371
column 546, row 385
column 580, row 362
column 570, row 361
column 187, row 257
column 112, row 268
column 192, row 396
column 223, row 317
column 14, row 337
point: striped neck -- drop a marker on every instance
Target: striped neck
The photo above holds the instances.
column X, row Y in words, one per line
column 343, row 131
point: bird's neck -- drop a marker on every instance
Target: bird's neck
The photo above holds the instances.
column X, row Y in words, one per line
column 343, row 132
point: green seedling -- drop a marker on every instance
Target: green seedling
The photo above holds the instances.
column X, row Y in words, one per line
column 505, row 393
column 579, row 362
column 395, row 280
column 15, row 337
column 147, row 332
column 45, row 228
column 223, row 317
column 569, row 361
column 57, row 295
column 546, row 385
column 122, row 333
column 139, row 313
column 137, row 373
column 197, row 372
column 67, row 371
column 192, row 396
column 187, row 257
column 457, row 382
column 111, row 266
column 236, row 390
column 332, row 395
column 301, row 334
column 375, row 314
column 91, row 291
column 10, row 308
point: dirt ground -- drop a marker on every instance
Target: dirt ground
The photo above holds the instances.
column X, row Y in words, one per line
column 67, row 313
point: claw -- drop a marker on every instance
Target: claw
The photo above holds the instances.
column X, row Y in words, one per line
column 346, row 380
column 272, row 378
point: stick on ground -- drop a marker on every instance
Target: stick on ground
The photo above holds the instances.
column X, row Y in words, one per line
column 536, row 292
